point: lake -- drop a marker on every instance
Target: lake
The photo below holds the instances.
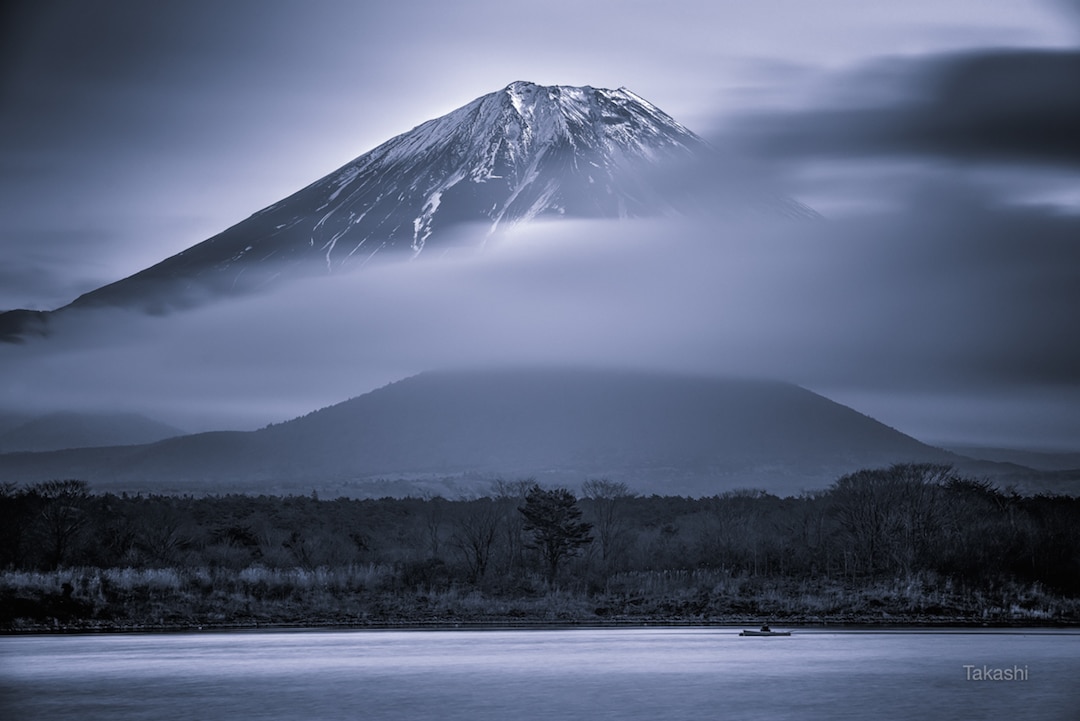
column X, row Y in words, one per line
column 624, row 674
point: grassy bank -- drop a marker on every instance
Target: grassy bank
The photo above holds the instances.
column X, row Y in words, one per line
column 370, row 596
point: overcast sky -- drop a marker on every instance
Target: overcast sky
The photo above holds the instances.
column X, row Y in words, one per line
column 936, row 137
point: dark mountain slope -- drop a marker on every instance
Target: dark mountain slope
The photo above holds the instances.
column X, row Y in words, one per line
column 662, row 433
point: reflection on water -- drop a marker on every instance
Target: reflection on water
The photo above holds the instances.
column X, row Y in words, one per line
column 621, row 674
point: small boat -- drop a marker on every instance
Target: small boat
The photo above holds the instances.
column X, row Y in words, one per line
column 765, row 631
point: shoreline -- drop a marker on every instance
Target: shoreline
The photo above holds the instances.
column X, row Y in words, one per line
column 839, row 625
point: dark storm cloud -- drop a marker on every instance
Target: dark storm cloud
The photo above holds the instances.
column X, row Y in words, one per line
column 972, row 278
column 964, row 295
column 1019, row 106
column 958, row 222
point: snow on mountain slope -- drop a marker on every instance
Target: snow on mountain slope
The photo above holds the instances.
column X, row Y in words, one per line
column 523, row 152
column 509, row 156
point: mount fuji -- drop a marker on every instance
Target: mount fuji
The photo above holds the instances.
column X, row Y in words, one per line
column 521, row 153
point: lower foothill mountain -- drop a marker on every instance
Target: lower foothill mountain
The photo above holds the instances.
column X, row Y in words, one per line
column 454, row 432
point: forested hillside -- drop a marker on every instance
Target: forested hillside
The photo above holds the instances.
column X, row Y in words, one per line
column 911, row 542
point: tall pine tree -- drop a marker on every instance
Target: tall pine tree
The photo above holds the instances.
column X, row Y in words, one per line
column 554, row 520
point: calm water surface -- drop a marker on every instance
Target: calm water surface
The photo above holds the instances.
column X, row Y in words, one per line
column 624, row 674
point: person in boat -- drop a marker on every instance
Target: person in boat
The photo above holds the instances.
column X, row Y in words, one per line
column 765, row 628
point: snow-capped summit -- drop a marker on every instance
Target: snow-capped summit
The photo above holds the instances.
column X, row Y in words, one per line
column 522, row 152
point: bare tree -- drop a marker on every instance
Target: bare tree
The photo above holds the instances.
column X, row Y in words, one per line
column 474, row 535
column 509, row 495
column 161, row 532
column 889, row 515
column 433, row 519
column 607, row 498
column 63, row 515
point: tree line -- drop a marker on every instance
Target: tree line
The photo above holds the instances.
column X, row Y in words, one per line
column 906, row 520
